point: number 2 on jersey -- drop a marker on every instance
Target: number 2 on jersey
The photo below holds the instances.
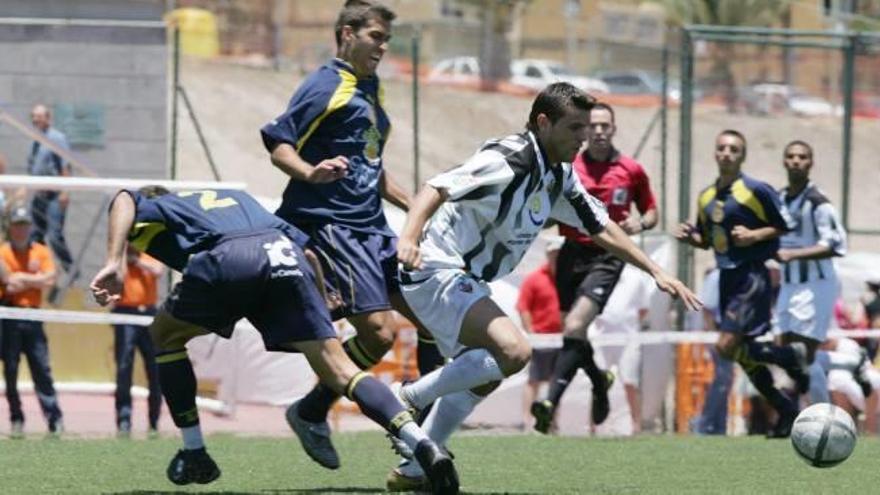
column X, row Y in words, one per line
column 208, row 199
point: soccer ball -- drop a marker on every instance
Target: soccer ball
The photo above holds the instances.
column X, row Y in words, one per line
column 823, row 435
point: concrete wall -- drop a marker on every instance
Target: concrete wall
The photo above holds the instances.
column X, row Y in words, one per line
column 130, row 10
column 121, row 70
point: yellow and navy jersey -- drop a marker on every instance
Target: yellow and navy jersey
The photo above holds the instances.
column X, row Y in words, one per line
column 334, row 113
column 747, row 202
column 174, row 226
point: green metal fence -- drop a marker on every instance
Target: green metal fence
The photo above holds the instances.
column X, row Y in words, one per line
column 846, row 45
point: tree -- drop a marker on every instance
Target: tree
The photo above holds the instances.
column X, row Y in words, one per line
column 754, row 13
column 497, row 18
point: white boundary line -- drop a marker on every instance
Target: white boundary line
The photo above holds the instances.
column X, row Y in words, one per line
column 538, row 341
column 108, row 184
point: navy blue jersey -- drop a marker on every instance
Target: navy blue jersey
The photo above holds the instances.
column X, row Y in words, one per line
column 175, row 226
column 334, row 113
column 747, row 202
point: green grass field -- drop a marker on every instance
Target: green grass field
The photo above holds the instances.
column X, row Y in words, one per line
column 487, row 464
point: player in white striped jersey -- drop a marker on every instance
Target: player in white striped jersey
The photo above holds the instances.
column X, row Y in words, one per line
column 472, row 225
column 809, row 284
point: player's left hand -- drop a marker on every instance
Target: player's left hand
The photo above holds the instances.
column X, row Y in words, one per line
column 107, row 285
column 742, row 236
column 677, row 289
column 630, row 225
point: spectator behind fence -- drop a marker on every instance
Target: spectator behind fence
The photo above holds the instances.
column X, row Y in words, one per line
column 31, row 270
column 49, row 207
column 139, row 296
column 538, row 306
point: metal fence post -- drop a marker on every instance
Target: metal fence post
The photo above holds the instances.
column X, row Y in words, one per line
column 685, row 252
column 849, row 63
column 175, row 82
column 415, row 104
column 664, row 114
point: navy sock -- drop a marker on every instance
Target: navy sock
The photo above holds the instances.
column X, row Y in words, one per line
column 762, row 379
column 571, row 357
column 765, row 352
column 178, row 382
column 377, row 402
column 315, row 406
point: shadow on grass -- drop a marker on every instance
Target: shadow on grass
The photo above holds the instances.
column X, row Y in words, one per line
column 341, row 489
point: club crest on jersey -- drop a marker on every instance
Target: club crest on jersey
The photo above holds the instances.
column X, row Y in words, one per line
column 371, row 148
column 619, row 196
column 536, row 208
column 465, row 286
column 718, row 211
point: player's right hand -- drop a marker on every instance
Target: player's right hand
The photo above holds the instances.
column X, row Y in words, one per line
column 107, row 285
column 409, row 254
column 329, row 170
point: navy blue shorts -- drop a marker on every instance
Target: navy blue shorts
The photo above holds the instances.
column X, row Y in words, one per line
column 264, row 277
column 746, row 299
column 360, row 267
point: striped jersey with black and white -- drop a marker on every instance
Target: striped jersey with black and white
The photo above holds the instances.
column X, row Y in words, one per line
column 498, row 202
column 815, row 223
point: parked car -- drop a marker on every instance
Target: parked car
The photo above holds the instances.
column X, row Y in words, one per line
column 766, row 98
column 640, row 82
column 456, row 70
column 866, row 105
column 536, row 74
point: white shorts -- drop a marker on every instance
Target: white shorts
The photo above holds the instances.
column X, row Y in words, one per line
column 842, row 381
column 440, row 299
column 806, row 309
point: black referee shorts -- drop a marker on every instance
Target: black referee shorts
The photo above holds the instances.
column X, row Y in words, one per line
column 587, row 271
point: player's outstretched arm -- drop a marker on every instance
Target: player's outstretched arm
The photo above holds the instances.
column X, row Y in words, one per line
column 107, row 285
column 423, row 207
column 615, row 240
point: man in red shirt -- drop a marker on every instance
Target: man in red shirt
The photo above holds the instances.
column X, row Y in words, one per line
column 538, row 306
column 586, row 274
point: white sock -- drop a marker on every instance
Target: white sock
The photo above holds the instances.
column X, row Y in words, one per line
column 470, row 369
column 192, row 437
column 448, row 413
column 412, row 434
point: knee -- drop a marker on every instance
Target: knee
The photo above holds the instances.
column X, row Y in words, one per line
column 515, row 358
column 377, row 335
column 573, row 325
column 725, row 349
column 485, row 390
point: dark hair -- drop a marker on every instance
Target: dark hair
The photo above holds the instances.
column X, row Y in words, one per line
column 738, row 135
column 553, row 101
column 604, row 106
column 356, row 13
column 798, row 142
column 154, row 191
